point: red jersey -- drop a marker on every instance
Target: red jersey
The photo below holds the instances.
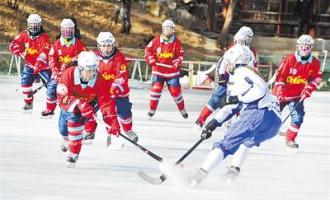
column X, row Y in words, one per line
column 165, row 58
column 115, row 70
column 70, row 89
column 33, row 48
column 62, row 55
column 294, row 75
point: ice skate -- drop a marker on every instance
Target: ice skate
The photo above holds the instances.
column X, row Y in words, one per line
column 71, row 160
column 89, row 138
column 132, row 136
column 198, row 177
column 64, row 147
column 184, row 113
column 150, row 114
column 27, row 108
column 108, row 140
column 231, row 174
column 47, row 114
column 291, row 144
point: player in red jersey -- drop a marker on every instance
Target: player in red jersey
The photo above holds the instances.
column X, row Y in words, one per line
column 298, row 76
column 79, row 90
column 62, row 55
column 33, row 46
column 165, row 55
column 113, row 67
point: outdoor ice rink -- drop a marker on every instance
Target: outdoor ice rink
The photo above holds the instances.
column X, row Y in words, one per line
column 32, row 167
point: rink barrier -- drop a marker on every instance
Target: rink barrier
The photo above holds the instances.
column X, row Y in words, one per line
column 141, row 71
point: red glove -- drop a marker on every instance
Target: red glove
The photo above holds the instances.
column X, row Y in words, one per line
column 86, row 109
column 307, row 92
column 279, row 93
column 114, row 128
column 114, row 91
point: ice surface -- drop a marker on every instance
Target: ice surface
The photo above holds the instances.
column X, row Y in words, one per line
column 34, row 168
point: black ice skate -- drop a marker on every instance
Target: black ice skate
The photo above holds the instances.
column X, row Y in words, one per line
column 27, row 108
column 291, row 144
column 132, row 135
column 47, row 114
column 231, row 174
column 150, row 114
column 71, row 160
column 89, row 138
column 64, row 147
column 198, row 177
column 184, row 113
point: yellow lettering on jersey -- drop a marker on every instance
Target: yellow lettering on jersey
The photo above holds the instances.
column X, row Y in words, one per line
column 123, row 67
column 296, row 80
column 108, row 77
column 65, row 59
column 165, row 54
column 31, row 51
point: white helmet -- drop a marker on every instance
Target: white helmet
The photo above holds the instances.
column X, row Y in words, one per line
column 87, row 60
column 244, row 36
column 67, row 28
column 34, row 23
column 305, row 45
column 239, row 55
column 105, row 38
column 168, row 23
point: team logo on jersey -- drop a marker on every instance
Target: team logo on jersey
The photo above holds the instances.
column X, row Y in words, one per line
column 165, row 54
column 296, row 80
column 123, row 67
column 65, row 59
column 31, row 51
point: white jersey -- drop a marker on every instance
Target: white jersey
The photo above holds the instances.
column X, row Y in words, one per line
column 250, row 88
column 224, row 61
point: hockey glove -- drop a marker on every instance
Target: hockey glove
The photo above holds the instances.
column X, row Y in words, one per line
column 232, row 100
column 114, row 91
column 222, row 80
column 307, row 92
column 114, row 128
column 209, row 128
column 86, row 109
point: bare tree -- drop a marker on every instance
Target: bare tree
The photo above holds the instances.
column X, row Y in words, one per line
column 210, row 16
column 14, row 4
column 228, row 20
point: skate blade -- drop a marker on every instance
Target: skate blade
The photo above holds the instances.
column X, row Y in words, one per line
column 27, row 111
column 46, row 117
column 197, row 127
column 291, row 150
column 70, row 164
column 87, row 142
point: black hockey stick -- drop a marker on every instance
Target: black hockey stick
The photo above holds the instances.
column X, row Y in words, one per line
column 162, row 178
column 145, row 150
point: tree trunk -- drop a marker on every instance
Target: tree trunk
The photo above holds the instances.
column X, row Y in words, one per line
column 210, row 16
column 229, row 17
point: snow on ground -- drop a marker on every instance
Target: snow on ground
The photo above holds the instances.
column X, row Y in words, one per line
column 33, row 167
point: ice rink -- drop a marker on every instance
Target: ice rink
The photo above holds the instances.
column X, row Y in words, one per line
column 34, row 168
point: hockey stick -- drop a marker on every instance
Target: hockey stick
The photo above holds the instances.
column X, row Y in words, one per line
column 294, row 108
column 162, row 178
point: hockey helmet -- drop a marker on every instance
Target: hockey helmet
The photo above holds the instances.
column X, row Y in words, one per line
column 239, row 55
column 304, row 45
column 87, row 65
column 67, row 28
column 34, row 23
column 168, row 27
column 244, row 36
column 105, row 43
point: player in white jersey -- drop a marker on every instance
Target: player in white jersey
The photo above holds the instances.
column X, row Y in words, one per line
column 259, row 114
